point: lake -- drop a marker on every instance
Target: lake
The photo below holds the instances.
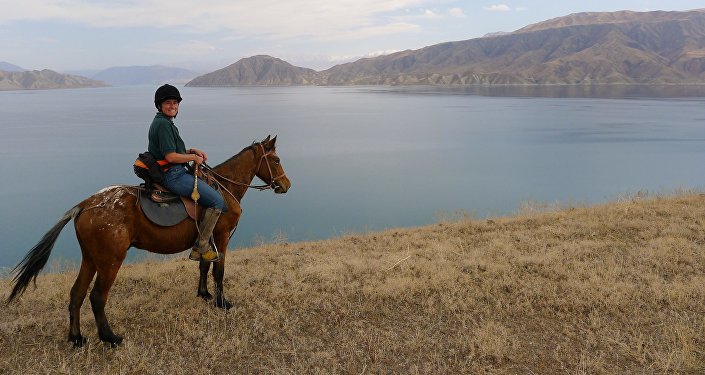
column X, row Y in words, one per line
column 360, row 158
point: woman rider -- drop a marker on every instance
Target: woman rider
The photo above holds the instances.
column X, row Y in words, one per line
column 165, row 143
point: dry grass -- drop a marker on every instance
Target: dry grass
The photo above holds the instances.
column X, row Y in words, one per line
column 612, row 289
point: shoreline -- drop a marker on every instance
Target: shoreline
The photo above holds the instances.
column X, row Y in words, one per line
column 62, row 264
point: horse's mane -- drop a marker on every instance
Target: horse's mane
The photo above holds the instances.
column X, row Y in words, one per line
column 250, row 147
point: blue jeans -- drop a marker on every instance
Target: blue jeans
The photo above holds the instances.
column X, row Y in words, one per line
column 179, row 181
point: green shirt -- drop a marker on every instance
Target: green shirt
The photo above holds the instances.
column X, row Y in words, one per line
column 164, row 137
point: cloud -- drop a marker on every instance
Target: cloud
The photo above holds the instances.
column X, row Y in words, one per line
column 248, row 18
column 337, row 59
column 428, row 13
column 498, row 8
column 457, row 13
column 425, row 14
column 182, row 49
column 417, row 15
column 370, row 32
column 381, row 53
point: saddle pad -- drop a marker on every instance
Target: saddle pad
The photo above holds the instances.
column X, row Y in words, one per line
column 163, row 214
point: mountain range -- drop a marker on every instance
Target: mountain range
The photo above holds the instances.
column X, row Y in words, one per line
column 7, row 67
column 585, row 48
column 13, row 77
column 260, row 71
column 44, row 79
column 142, row 75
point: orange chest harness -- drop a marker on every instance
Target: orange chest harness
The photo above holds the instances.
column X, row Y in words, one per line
column 161, row 163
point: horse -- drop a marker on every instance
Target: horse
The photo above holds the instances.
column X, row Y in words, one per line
column 109, row 222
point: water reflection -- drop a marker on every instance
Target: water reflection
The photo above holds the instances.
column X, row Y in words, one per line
column 557, row 91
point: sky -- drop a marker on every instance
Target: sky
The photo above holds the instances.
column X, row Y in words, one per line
column 205, row 35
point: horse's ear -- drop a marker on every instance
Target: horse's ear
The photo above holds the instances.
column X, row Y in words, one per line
column 269, row 142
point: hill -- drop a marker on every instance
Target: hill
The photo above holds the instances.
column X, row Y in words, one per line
column 610, row 289
column 44, row 79
column 586, row 48
column 625, row 16
column 7, row 67
column 257, row 71
column 142, row 75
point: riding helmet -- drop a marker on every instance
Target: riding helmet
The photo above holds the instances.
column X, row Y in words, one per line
column 165, row 92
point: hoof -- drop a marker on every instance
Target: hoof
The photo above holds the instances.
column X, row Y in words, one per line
column 114, row 340
column 78, row 341
column 206, row 296
column 223, row 304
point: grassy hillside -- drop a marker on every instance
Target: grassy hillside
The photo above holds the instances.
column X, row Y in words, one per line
column 611, row 289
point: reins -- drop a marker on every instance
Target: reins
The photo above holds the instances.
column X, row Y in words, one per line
column 257, row 187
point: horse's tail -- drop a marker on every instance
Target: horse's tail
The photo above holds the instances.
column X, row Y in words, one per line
column 28, row 269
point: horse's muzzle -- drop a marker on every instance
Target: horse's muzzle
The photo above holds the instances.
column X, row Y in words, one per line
column 282, row 185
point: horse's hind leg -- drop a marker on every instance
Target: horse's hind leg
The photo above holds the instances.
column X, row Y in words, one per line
column 99, row 297
column 78, row 295
column 203, row 281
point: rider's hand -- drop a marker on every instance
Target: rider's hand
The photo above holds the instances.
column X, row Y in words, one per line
column 199, row 153
column 198, row 159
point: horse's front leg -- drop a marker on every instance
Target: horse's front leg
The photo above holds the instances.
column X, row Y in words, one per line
column 203, row 281
column 218, row 274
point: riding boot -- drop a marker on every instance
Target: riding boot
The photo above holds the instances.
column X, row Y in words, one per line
column 203, row 250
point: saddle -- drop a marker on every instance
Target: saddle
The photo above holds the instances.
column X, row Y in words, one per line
column 165, row 208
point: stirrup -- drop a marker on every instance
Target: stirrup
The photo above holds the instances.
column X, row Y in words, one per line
column 209, row 256
column 195, row 255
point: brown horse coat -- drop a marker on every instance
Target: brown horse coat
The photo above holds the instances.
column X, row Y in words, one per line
column 109, row 222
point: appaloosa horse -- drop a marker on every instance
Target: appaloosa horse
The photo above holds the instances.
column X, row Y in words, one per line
column 110, row 222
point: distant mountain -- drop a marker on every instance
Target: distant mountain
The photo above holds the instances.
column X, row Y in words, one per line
column 88, row 73
column 44, row 79
column 7, row 67
column 140, row 75
column 625, row 16
column 258, row 71
column 585, row 48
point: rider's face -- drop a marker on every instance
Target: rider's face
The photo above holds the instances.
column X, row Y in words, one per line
column 170, row 107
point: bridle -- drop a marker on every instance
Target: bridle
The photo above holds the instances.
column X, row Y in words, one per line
column 264, row 157
column 271, row 184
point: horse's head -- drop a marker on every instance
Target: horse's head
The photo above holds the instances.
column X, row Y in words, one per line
column 269, row 167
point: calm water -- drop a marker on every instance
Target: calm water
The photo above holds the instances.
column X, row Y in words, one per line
column 359, row 158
